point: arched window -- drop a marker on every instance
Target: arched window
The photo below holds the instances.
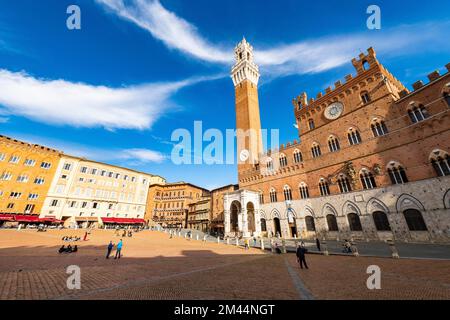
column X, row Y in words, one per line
column 311, row 124
column 298, row 156
column 263, row 225
column 367, row 179
column 283, row 161
column 354, row 222
column 379, row 128
column 447, row 97
column 333, row 144
column 441, row 163
column 287, row 193
column 273, row 195
column 261, row 197
column 397, row 173
column 415, row 220
column 344, row 184
column 304, row 193
column 310, row 224
column 324, row 188
column 269, row 164
column 332, row 223
column 418, row 113
column 365, row 97
column 381, row 221
column 315, row 150
column 353, row 136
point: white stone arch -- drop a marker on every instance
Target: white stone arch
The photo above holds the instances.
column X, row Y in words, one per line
column 329, row 209
column 376, row 205
column 275, row 214
column 350, row 207
column 263, row 214
column 309, row 212
column 406, row 201
column 447, row 199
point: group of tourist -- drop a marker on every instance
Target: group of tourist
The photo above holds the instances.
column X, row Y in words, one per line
column 69, row 249
column 71, row 239
column 118, row 249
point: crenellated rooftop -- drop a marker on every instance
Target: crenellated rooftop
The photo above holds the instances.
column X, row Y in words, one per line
column 363, row 64
column 30, row 145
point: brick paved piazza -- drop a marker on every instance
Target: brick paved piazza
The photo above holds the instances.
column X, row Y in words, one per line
column 156, row 267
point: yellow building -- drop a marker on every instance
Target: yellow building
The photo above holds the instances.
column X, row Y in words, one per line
column 89, row 193
column 199, row 215
column 26, row 172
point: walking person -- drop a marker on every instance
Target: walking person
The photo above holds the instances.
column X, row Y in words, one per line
column 110, row 247
column 318, row 244
column 301, row 251
column 119, row 249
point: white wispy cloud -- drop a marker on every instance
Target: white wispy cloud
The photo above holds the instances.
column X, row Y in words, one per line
column 164, row 25
column 308, row 56
column 60, row 102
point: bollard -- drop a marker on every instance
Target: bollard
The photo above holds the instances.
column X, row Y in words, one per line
column 179, row 233
column 185, row 235
column 354, row 249
column 295, row 236
column 394, row 251
column 237, row 242
column 283, row 246
column 197, row 237
column 272, row 246
column 204, row 238
column 218, row 239
column 262, row 244
column 190, row 236
column 228, row 240
column 325, row 247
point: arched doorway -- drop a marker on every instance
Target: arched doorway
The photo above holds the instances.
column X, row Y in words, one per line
column 415, row 220
column 277, row 226
column 292, row 224
column 234, row 216
column 251, row 217
column 263, row 225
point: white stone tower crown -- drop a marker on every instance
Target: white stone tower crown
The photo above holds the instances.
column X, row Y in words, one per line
column 244, row 68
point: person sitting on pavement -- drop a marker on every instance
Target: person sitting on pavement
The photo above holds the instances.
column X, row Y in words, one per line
column 69, row 249
column 75, row 248
column 62, row 249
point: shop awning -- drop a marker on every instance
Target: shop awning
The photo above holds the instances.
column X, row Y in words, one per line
column 24, row 218
column 88, row 219
column 123, row 221
column 6, row 217
column 50, row 220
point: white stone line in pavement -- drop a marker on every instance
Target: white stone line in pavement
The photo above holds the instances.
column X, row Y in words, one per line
column 298, row 283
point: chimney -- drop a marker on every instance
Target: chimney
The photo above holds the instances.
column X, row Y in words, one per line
column 433, row 76
column 417, row 85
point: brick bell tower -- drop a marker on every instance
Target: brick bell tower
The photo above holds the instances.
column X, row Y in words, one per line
column 245, row 75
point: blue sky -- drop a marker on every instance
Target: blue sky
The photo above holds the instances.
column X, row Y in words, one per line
column 137, row 70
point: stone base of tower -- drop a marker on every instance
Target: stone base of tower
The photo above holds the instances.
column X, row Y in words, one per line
column 242, row 214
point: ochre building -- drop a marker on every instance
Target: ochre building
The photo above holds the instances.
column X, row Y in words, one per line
column 26, row 173
column 371, row 160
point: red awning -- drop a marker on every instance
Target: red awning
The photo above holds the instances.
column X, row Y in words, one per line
column 50, row 220
column 123, row 221
column 6, row 217
column 24, row 218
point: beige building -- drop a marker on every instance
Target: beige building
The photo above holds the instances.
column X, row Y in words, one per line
column 88, row 193
column 199, row 215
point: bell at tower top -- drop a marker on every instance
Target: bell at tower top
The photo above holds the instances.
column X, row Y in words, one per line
column 244, row 68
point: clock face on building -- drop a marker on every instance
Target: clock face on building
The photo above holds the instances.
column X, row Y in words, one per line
column 334, row 110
